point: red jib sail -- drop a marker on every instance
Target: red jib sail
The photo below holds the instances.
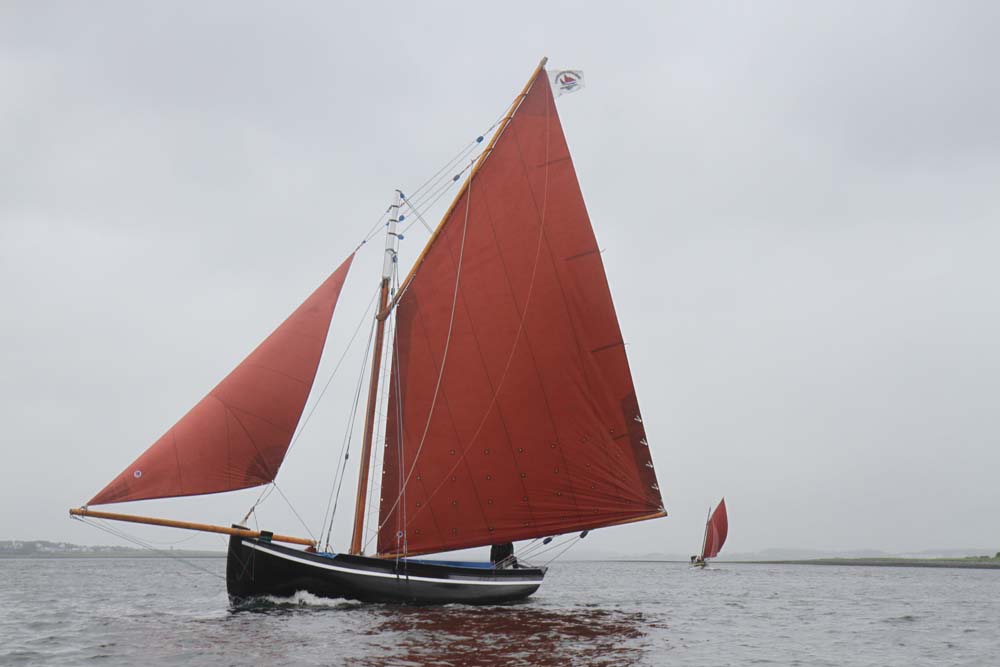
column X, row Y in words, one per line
column 236, row 437
column 512, row 412
column 716, row 531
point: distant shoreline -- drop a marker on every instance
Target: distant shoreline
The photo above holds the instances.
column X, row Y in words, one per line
column 974, row 563
column 135, row 554
column 960, row 563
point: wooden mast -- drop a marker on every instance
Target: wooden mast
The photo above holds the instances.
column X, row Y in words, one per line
column 384, row 311
column 203, row 527
column 388, row 265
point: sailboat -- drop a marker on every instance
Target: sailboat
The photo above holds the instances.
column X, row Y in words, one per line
column 716, row 531
column 511, row 412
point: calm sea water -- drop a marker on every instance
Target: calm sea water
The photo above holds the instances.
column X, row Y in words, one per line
column 161, row 612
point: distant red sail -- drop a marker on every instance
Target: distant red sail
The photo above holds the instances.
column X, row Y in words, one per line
column 533, row 428
column 236, row 437
column 716, row 531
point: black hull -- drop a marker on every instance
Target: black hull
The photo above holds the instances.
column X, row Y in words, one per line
column 258, row 568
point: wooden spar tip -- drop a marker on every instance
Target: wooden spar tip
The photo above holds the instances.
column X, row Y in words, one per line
column 203, row 527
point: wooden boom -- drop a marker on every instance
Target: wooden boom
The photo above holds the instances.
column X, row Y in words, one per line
column 204, row 527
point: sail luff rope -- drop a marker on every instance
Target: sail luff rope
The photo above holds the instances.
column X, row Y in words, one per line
column 401, row 490
column 393, row 363
column 517, row 338
column 375, row 228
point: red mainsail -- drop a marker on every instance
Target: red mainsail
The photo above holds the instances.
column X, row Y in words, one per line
column 236, row 437
column 512, row 412
column 716, row 531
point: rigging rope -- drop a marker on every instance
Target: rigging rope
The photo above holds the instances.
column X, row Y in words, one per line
column 345, row 448
column 294, row 511
column 117, row 532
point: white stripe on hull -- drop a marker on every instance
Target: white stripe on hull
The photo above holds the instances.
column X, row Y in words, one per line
column 387, row 575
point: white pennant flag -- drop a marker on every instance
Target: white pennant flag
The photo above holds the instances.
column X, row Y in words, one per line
column 566, row 81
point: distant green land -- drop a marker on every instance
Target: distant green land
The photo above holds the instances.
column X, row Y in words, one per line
column 969, row 562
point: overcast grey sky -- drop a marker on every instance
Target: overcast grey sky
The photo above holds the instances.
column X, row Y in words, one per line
column 798, row 203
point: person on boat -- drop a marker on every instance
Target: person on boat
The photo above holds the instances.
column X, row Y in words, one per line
column 502, row 555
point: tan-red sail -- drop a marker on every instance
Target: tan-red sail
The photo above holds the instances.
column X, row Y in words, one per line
column 716, row 531
column 512, row 412
column 236, row 437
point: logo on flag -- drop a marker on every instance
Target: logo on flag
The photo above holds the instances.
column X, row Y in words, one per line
column 567, row 81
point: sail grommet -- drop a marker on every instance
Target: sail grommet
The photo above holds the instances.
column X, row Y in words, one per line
column 137, row 474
